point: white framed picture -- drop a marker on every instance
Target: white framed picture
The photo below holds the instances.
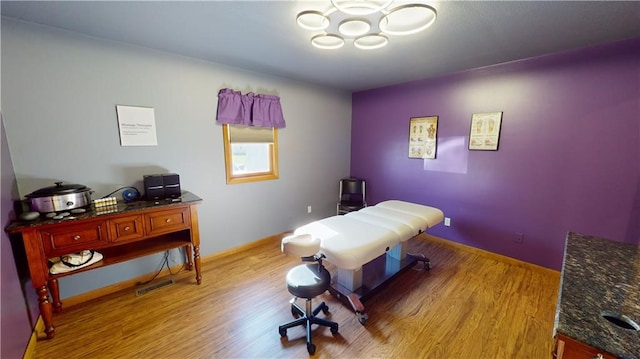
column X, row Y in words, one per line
column 137, row 126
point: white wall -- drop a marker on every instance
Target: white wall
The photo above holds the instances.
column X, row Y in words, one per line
column 59, row 92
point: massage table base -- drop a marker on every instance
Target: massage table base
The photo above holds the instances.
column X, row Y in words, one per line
column 353, row 287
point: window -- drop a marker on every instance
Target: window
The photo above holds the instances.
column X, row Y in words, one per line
column 250, row 153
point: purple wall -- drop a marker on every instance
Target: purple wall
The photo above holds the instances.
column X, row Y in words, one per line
column 569, row 155
column 16, row 326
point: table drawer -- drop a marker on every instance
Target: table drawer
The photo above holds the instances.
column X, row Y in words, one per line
column 82, row 236
column 167, row 221
column 128, row 228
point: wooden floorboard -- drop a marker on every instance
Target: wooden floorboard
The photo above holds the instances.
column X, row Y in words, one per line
column 469, row 305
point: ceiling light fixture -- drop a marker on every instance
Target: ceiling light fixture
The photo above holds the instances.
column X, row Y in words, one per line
column 360, row 7
column 354, row 27
column 327, row 42
column 407, row 19
column 370, row 42
column 312, row 20
column 369, row 23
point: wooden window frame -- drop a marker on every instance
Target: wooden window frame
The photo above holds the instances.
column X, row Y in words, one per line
column 249, row 177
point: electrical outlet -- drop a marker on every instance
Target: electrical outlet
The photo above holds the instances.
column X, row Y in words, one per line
column 447, row 221
column 519, row 238
column 308, row 209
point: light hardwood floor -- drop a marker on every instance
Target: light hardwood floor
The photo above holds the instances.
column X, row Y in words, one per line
column 471, row 304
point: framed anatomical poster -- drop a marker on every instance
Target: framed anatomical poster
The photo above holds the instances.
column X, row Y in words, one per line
column 423, row 134
column 485, row 131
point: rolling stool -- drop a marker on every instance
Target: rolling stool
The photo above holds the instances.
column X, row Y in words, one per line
column 306, row 281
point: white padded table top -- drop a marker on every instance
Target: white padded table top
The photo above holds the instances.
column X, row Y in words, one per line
column 430, row 215
column 386, row 215
column 349, row 243
column 352, row 240
column 403, row 229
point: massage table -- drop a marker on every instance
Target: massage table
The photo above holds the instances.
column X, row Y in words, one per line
column 369, row 246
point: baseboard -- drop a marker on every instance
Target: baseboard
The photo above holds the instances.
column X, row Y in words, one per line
column 495, row 256
column 38, row 331
column 244, row 247
column 100, row 292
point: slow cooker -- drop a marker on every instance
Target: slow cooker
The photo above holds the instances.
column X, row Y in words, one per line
column 59, row 197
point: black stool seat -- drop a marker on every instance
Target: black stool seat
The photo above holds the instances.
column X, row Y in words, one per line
column 308, row 280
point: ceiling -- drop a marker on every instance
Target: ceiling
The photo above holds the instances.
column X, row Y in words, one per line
column 262, row 36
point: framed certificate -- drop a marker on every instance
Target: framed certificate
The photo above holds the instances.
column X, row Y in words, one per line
column 137, row 126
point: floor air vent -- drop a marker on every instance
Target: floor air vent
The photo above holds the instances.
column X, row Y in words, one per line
column 153, row 287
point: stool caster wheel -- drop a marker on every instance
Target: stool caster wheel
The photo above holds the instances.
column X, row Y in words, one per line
column 294, row 312
column 334, row 330
column 311, row 348
column 283, row 332
column 325, row 309
column 362, row 317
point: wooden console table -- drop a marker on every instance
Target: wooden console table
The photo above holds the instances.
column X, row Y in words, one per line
column 120, row 233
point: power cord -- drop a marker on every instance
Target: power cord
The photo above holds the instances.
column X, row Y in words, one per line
column 136, row 191
column 162, row 264
column 165, row 262
column 183, row 253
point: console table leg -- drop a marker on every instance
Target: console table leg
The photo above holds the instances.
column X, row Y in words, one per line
column 46, row 311
column 189, row 257
column 54, row 288
column 196, row 259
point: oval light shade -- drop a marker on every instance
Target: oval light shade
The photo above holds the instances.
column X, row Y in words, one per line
column 354, row 27
column 360, row 7
column 408, row 19
column 312, row 20
column 370, row 42
column 327, row 42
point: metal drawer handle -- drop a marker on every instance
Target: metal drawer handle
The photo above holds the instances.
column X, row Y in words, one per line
column 167, row 220
column 127, row 228
column 76, row 237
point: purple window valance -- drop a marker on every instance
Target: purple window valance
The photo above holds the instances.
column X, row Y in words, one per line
column 249, row 109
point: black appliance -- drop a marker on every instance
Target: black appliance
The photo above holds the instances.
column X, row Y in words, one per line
column 171, row 182
column 161, row 186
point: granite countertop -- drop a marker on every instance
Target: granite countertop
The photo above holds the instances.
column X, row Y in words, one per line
column 93, row 212
column 600, row 275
